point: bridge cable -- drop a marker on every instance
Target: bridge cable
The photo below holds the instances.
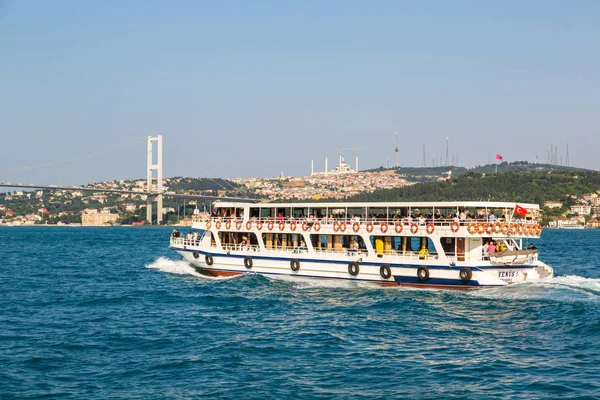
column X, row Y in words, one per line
column 78, row 158
column 216, row 182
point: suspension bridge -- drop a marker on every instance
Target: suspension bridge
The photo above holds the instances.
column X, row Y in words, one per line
column 154, row 183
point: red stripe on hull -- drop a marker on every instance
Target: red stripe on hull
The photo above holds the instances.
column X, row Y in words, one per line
column 216, row 272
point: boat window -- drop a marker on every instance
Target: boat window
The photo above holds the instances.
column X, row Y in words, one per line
column 238, row 240
column 254, row 212
column 403, row 245
column 397, row 213
column 377, row 213
column 301, row 212
column 266, row 213
column 449, row 245
column 283, row 240
column 338, row 213
column 318, row 212
column 355, row 212
column 283, row 211
column 338, row 243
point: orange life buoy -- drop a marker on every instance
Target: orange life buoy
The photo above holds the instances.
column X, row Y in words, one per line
column 497, row 227
column 430, row 228
column 259, row 225
column 455, row 226
column 270, row 225
column 218, row 225
column 369, row 227
column 519, row 229
column 489, row 229
column 398, row 227
column 480, row 228
column 238, row 225
column 383, row 227
column 342, row 227
column 472, row 228
column 281, row 225
column 512, row 229
column 208, row 224
column 356, row 227
column 305, row 226
column 414, row 228
column 504, row 229
column 317, row 226
column 526, row 230
column 293, row 225
column 336, row 226
column 249, row 225
column 228, row 225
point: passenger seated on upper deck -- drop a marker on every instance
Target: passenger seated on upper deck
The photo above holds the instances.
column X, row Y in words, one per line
column 244, row 243
column 501, row 247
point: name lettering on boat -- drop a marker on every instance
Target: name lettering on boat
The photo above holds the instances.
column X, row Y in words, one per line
column 508, row 274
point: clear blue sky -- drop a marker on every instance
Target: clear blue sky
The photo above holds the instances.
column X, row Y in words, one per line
column 250, row 88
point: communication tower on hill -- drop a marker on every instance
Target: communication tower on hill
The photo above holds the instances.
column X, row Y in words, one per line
column 396, row 150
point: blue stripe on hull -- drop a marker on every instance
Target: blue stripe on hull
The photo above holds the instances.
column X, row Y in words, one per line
column 437, row 283
column 372, row 263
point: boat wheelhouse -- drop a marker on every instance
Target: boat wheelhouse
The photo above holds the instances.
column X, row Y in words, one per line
column 460, row 245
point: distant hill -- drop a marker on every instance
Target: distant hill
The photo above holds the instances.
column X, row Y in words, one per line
column 536, row 186
column 434, row 174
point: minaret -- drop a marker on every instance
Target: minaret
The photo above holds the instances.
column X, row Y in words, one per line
column 567, row 160
column 424, row 157
column 396, row 150
column 326, row 170
column 447, row 158
column 357, row 161
column 312, row 167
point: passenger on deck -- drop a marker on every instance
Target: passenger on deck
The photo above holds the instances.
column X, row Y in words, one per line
column 244, row 243
column 492, row 218
column 492, row 247
column 486, row 245
column 175, row 233
column 532, row 247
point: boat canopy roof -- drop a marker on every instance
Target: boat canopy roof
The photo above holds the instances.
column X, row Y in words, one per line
column 394, row 204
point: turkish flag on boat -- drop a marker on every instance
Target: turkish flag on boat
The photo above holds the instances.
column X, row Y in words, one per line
column 498, row 157
column 520, row 211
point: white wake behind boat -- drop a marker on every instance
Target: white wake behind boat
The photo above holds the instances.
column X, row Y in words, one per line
column 417, row 244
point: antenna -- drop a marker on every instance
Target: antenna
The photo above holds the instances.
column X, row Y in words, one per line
column 567, row 160
column 396, row 150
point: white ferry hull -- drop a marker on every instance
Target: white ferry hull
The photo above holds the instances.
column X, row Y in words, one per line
column 440, row 276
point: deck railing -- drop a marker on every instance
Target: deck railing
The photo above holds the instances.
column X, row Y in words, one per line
column 389, row 225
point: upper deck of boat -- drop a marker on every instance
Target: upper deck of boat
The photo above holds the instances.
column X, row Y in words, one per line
column 387, row 204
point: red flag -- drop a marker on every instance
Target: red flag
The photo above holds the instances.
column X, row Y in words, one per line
column 520, row 211
column 43, row 210
column 498, row 157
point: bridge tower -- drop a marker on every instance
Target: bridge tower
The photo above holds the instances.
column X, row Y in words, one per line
column 159, row 179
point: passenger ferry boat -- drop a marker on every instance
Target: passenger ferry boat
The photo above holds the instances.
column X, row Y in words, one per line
column 424, row 244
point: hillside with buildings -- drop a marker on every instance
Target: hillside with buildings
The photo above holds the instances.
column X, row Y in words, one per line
column 569, row 196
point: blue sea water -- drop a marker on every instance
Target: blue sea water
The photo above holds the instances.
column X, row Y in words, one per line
column 99, row 313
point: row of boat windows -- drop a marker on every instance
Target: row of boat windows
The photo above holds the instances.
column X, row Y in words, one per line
column 380, row 244
column 374, row 213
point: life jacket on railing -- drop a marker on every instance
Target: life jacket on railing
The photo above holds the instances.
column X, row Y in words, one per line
column 423, row 254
